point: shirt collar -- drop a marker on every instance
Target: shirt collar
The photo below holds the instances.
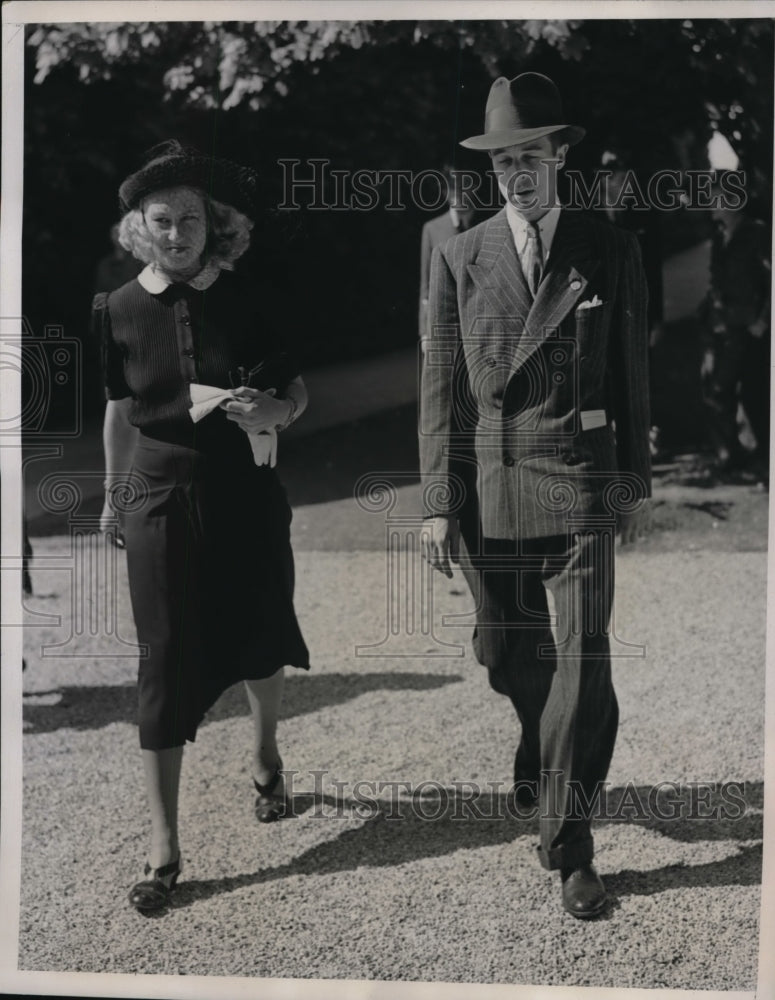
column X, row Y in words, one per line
column 155, row 281
column 547, row 226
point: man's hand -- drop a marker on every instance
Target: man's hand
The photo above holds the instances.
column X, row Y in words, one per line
column 634, row 526
column 440, row 543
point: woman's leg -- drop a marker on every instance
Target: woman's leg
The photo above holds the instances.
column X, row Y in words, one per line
column 162, row 782
column 265, row 697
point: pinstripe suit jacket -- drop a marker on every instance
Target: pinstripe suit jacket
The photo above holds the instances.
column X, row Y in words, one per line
column 435, row 232
column 506, row 380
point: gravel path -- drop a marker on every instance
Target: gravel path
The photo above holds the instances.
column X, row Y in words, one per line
column 423, row 884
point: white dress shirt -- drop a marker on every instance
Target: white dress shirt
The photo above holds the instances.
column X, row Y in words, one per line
column 547, row 227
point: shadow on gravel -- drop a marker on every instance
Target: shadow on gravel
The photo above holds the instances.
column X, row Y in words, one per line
column 314, row 468
column 742, row 868
column 452, row 819
column 92, row 707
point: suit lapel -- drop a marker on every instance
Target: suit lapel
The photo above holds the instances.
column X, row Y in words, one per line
column 570, row 267
column 497, row 273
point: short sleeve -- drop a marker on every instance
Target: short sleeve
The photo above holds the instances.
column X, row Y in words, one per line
column 112, row 357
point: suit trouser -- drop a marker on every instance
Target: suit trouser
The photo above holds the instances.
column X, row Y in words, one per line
column 560, row 685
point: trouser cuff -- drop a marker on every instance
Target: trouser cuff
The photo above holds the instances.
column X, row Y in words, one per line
column 572, row 855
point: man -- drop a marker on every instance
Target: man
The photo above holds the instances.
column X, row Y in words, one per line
column 537, row 348
column 737, row 336
column 460, row 216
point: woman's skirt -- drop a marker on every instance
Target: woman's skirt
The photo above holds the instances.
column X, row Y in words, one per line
column 211, row 580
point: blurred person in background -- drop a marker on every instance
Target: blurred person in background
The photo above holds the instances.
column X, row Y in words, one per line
column 209, row 559
column 117, row 267
column 460, row 216
column 735, row 317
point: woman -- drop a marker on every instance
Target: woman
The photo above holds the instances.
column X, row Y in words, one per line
column 208, row 536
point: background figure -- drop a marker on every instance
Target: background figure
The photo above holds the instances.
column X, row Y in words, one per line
column 27, row 555
column 115, row 268
column 460, row 216
column 736, row 359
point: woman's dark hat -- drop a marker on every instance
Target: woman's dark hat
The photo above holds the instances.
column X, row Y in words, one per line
column 170, row 164
column 521, row 109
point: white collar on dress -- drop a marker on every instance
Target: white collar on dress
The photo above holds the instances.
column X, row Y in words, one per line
column 155, row 281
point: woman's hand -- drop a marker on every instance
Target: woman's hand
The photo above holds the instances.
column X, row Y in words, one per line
column 109, row 523
column 108, row 519
column 256, row 411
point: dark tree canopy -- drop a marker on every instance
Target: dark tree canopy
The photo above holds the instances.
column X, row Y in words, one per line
column 372, row 95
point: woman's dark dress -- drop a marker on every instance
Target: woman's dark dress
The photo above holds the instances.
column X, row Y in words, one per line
column 208, row 541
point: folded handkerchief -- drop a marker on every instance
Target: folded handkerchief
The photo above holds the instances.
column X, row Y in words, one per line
column 205, row 398
column 593, row 418
column 590, row 303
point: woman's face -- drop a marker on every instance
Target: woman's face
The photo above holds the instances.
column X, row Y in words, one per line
column 177, row 223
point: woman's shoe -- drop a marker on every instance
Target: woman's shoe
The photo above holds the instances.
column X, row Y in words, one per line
column 270, row 807
column 154, row 892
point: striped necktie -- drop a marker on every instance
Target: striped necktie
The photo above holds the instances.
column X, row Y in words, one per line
column 533, row 264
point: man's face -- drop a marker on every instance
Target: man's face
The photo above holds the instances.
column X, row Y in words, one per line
column 527, row 175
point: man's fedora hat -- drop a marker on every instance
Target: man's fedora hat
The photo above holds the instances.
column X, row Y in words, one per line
column 171, row 164
column 521, row 109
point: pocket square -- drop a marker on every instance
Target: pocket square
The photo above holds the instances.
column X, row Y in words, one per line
column 590, row 303
column 590, row 419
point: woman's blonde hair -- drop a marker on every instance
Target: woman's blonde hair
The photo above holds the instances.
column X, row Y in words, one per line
column 228, row 232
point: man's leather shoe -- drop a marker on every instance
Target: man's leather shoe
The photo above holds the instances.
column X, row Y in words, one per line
column 583, row 893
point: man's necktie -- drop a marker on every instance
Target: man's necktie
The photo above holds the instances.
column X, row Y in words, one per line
column 534, row 258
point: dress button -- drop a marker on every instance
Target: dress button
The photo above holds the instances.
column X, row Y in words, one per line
column 508, row 460
column 491, row 362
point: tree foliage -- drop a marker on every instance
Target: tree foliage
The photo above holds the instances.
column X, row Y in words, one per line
column 222, row 64
column 363, row 94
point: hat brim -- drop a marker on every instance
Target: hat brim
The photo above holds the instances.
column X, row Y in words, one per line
column 222, row 180
column 515, row 136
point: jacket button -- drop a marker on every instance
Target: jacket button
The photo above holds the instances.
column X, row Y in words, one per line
column 508, row 460
column 188, row 353
column 575, row 284
column 185, row 320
